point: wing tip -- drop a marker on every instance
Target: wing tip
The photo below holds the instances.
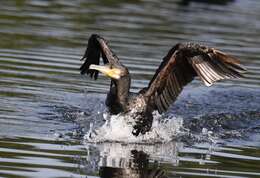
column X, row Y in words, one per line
column 91, row 56
column 208, row 84
column 219, row 66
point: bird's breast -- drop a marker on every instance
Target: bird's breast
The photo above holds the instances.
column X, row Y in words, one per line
column 137, row 104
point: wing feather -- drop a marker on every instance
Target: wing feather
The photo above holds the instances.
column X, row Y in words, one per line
column 97, row 46
column 182, row 64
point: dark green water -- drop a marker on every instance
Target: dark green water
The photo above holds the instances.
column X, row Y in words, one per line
column 45, row 102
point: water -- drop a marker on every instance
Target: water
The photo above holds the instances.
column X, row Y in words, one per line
column 47, row 107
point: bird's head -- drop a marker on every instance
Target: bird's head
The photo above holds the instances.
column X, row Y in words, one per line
column 114, row 72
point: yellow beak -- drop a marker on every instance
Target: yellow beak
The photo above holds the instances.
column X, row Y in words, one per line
column 106, row 70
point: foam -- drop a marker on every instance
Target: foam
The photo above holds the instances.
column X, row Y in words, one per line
column 118, row 128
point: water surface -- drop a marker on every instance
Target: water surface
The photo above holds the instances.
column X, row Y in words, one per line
column 46, row 106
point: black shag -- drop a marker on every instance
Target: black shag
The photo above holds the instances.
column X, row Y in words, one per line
column 179, row 67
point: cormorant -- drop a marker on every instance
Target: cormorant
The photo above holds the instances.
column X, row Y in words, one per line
column 179, row 67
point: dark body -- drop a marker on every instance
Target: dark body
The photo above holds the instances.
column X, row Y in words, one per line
column 179, row 67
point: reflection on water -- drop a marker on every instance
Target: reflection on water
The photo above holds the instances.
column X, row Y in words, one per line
column 43, row 96
column 167, row 160
column 30, row 157
column 137, row 167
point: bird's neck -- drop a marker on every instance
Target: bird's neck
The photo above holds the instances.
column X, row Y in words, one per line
column 123, row 87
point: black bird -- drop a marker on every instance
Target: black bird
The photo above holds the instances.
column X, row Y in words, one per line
column 179, row 67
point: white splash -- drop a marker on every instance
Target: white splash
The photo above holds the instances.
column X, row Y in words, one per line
column 118, row 128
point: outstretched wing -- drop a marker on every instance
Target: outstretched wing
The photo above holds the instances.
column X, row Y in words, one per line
column 97, row 46
column 179, row 67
